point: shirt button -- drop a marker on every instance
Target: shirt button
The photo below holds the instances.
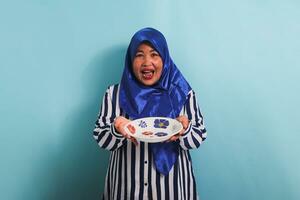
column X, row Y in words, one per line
column 146, row 184
column 146, row 162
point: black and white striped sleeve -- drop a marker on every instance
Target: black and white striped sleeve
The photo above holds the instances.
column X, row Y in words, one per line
column 195, row 134
column 104, row 133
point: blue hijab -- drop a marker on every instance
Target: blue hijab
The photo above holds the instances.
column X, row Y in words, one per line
column 163, row 99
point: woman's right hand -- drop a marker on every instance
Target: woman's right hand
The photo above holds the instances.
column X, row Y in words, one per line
column 120, row 123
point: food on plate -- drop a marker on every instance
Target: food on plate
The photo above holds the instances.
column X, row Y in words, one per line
column 147, row 133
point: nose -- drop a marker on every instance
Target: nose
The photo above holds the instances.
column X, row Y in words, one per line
column 147, row 61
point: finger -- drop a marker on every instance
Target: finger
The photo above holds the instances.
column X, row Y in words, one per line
column 185, row 124
column 184, row 121
column 182, row 131
column 119, row 127
column 134, row 141
column 122, row 130
column 117, row 120
column 173, row 138
column 180, row 119
column 126, row 134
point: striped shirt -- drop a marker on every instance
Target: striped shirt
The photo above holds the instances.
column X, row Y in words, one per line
column 131, row 173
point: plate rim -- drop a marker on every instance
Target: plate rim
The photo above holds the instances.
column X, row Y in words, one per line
column 162, row 139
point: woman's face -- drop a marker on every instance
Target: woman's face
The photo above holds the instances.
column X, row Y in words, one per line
column 147, row 65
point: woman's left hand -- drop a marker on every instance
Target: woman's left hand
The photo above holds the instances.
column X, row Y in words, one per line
column 185, row 123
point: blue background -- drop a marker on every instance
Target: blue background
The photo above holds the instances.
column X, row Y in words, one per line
column 58, row 57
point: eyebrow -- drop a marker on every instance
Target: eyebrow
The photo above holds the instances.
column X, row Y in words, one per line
column 143, row 52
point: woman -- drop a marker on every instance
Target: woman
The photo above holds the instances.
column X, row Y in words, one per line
column 151, row 86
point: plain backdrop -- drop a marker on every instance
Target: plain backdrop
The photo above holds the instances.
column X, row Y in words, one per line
column 241, row 57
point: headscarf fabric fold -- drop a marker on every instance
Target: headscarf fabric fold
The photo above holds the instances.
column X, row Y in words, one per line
column 163, row 99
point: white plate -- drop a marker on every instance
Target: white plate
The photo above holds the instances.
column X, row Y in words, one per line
column 153, row 129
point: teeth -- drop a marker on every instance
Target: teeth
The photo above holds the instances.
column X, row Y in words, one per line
column 147, row 71
column 147, row 74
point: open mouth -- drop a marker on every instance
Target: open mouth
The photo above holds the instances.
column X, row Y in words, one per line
column 147, row 74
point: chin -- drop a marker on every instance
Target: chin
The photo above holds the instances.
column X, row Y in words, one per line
column 148, row 82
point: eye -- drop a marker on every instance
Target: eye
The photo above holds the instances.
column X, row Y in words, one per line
column 139, row 54
column 154, row 54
